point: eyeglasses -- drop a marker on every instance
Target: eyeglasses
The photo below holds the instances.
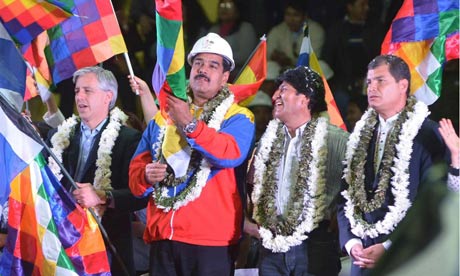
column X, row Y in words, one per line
column 226, row 5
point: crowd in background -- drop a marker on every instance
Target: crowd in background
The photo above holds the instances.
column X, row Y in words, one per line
column 345, row 37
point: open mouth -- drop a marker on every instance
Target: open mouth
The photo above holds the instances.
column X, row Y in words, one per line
column 80, row 106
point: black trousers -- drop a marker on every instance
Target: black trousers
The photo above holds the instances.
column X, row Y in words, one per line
column 178, row 258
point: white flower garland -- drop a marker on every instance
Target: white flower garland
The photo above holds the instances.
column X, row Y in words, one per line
column 314, row 198
column 205, row 169
column 61, row 141
column 399, row 181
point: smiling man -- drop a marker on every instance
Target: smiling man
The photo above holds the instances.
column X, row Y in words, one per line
column 297, row 169
column 188, row 169
column 388, row 155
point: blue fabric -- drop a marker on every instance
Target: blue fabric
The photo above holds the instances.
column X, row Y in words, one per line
column 293, row 262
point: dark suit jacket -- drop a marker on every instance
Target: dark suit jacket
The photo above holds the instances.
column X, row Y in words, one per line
column 116, row 221
column 427, row 149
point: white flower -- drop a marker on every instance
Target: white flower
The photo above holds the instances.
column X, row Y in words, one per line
column 314, row 198
column 61, row 140
column 205, row 168
column 399, row 181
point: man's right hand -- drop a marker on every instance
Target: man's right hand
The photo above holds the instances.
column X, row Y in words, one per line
column 361, row 258
column 155, row 172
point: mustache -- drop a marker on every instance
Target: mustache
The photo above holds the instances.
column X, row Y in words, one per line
column 201, row 76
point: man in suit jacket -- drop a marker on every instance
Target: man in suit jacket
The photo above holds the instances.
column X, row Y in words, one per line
column 96, row 148
column 388, row 155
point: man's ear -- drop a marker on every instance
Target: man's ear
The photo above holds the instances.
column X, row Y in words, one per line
column 109, row 96
column 306, row 102
column 403, row 85
column 225, row 77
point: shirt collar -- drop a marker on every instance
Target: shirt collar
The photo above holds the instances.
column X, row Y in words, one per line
column 388, row 122
column 298, row 131
column 87, row 131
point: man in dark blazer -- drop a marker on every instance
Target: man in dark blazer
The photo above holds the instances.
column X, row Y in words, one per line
column 96, row 148
column 388, row 155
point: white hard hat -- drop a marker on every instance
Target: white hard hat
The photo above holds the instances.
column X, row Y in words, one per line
column 214, row 44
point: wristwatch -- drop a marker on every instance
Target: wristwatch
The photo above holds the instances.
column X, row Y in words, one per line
column 190, row 127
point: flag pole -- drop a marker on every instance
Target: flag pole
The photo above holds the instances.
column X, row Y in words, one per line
column 37, row 138
column 125, row 54
column 130, row 68
column 262, row 39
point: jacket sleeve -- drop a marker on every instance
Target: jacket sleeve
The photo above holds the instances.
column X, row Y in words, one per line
column 228, row 147
column 137, row 183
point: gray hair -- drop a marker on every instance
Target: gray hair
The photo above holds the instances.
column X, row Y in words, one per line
column 106, row 79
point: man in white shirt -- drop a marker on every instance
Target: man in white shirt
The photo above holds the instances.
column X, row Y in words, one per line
column 296, row 177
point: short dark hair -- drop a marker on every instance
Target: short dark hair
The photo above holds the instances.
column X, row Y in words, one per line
column 397, row 66
column 298, row 5
column 226, row 64
column 308, row 83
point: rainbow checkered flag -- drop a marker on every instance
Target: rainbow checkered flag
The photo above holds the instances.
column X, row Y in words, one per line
column 425, row 33
column 26, row 19
column 48, row 233
column 169, row 73
column 89, row 37
column 307, row 57
column 39, row 80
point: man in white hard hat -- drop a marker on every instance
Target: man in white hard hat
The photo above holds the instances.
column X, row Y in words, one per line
column 191, row 170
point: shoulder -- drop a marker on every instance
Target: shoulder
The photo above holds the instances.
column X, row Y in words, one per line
column 336, row 132
column 246, row 26
column 429, row 131
column 429, row 139
column 315, row 27
column 278, row 29
column 129, row 134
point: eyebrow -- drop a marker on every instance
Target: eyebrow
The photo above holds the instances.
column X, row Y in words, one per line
column 208, row 60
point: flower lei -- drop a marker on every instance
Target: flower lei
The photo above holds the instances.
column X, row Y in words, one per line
column 61, row 141
column 303, row 213
column 396, row 160
column 213, row 114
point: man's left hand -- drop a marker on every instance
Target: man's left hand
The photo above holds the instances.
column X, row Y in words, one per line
column 373, row 253
column 178, row 111
column 87, row 196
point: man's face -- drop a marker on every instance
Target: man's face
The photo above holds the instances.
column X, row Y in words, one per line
column 386, row 95
column 287, row 103
column 92, row 102
column 358, row 10
column 294, row 19
column 207, row 77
